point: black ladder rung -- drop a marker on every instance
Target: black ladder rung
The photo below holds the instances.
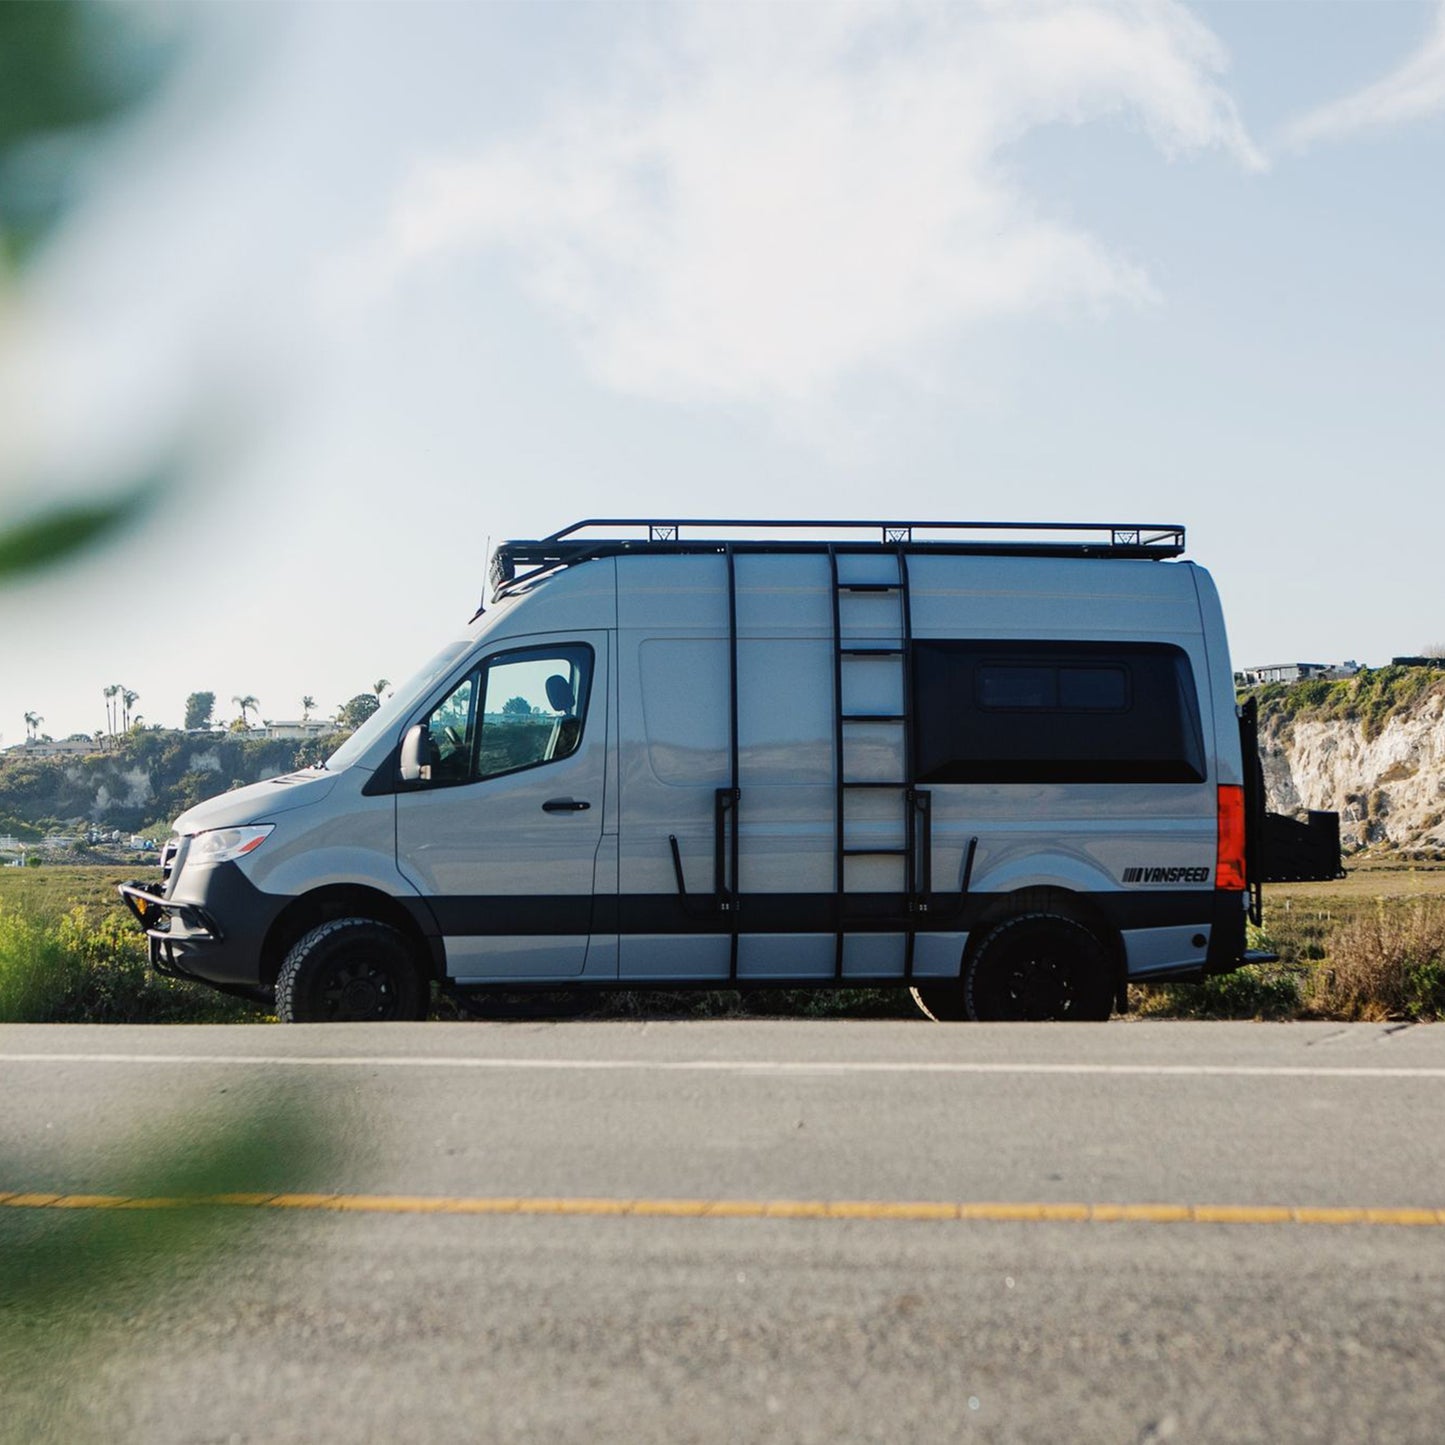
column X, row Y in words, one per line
column 874, row 717
column 876, row 783
column 869, row 587
column 875, row 852
column 871, row 651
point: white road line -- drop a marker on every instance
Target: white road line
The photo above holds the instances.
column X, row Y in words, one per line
column 761, row 1068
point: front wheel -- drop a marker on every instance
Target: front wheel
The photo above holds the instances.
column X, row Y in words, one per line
column 1038, row 966
column 350, row 970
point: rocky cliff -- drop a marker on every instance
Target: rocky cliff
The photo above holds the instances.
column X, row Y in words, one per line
column 1371, row 748
column 141, row 782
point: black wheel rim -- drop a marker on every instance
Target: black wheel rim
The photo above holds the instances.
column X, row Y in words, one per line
column 1034, row 983
column 356, row 989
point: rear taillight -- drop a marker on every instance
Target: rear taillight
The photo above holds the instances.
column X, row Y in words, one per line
column 1229, row 858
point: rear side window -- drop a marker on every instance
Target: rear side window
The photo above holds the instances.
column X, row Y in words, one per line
column 1055, row 712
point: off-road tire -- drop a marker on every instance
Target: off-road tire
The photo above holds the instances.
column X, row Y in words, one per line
column 351, row 970
column 1038, row 966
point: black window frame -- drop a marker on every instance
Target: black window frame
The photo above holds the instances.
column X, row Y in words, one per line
column 581, row 654
column 1156, row 737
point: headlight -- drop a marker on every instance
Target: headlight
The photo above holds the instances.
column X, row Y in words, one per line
column 221, row 845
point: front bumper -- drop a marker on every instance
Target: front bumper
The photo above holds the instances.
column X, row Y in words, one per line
column 215, row 936
column 168, row 926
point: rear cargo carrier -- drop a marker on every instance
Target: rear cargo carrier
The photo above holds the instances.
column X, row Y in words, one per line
column 1282, row 849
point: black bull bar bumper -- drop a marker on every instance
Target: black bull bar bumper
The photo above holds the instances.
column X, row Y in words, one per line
column 155, row 913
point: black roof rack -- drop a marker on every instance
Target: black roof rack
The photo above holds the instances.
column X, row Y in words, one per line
column 514, row 563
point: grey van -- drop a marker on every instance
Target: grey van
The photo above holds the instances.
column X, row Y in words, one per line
column 1000, row 764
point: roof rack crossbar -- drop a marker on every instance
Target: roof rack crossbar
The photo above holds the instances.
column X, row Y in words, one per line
column 514, row 563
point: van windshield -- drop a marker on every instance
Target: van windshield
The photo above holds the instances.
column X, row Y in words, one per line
column 399, row 704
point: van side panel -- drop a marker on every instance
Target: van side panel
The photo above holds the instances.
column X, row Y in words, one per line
column 1142, row 852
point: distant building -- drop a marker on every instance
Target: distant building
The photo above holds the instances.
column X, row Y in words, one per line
column 1437, row 662
column 1280, row 672
column 47, row 748
column 310, row 728
column 1294, row 672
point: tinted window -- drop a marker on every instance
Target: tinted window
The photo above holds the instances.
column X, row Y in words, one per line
column 1055, row 712
column 519, row 710
column 1011, row 687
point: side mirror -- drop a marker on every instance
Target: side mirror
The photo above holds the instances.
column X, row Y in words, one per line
column 416, row 755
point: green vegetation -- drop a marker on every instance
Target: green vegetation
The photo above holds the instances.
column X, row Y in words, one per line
column 1371, row 698
column 142, row 781
column 1370, row 946
column 74, row 1282
column 70, row 953
column 200, row 708
column 356, row 710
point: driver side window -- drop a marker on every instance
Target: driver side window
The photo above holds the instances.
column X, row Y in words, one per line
column 521, row 709
column 452, row 732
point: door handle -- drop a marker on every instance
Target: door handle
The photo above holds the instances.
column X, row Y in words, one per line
column 565, row 805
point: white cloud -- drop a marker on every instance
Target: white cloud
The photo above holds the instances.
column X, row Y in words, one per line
column 771, row 198
column 1413, row 91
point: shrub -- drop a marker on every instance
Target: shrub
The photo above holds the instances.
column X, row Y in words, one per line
column 35, row 968
column 69, row 968
column 1256, row 991
column 1389, row 963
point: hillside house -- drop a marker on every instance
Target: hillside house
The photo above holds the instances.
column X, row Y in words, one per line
column 1294, row 672
column 297, row 730
column 49, row 748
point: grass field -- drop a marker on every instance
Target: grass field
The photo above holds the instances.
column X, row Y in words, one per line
column 58, row 890
column 71, row 953
column 1367, row 880
column 1370, row 945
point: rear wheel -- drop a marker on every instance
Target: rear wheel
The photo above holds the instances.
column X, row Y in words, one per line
column 349, row 971
column 1038, row 966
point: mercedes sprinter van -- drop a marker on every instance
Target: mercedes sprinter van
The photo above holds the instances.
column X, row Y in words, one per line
column 999, row 764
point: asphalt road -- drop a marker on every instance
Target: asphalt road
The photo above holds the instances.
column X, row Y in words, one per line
column 610, row 1231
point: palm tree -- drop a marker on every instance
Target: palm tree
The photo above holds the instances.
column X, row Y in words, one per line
column 32, row 724
column 307, row 703
column 380, row 686
column 245, row 704
column 110, row 695
column 128, row 701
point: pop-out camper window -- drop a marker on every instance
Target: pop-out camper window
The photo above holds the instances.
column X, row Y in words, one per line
column 1055, row 712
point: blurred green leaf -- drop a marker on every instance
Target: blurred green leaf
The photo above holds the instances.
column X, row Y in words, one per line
column 74, row 1281
column 67, row 70
column 58, row 534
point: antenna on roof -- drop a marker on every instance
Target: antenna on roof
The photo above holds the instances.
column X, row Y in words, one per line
column 486, row 571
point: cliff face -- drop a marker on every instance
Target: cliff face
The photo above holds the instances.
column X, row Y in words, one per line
column 148, row 778
column 1379, row 764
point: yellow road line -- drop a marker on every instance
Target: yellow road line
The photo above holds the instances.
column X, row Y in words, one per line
column 995, row 1212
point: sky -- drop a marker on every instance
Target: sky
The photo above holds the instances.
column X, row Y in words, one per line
column 393, row 281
